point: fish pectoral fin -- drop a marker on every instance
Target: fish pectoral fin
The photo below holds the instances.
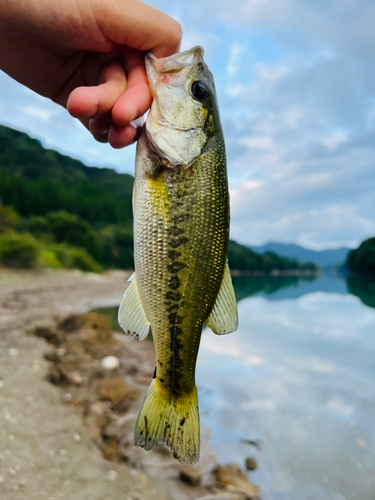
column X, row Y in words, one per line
column 224, row 317
column 131, row 316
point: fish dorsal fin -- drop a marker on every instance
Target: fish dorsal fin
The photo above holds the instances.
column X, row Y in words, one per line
column 224, row 318
column 131, row 316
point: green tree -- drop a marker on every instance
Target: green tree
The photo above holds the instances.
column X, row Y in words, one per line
column 243, row 259
column 362, row 259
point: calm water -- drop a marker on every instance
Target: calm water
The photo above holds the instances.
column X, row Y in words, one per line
column 298, row 375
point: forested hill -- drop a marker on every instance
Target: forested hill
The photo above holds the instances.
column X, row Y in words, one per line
column 55, row 211
column 362, row 259
column 36, row 181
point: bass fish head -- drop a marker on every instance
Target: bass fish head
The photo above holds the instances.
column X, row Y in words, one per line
column 184, row 113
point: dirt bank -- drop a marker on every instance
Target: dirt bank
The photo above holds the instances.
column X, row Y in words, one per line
column 47, row 433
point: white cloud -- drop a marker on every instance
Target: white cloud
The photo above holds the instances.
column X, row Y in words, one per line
column 254, row 361
column 256, row 142
column 337, row 405
column 235, row 59
column 335, row 139
column 39, row 113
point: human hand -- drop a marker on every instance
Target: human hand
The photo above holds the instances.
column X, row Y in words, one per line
column 87, row 56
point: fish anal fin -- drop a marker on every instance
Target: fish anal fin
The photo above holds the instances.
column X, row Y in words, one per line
column 172, row 420
column 131, row 316
column 224, row 317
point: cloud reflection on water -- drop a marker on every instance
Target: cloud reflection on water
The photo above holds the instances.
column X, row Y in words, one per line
column 300, row 375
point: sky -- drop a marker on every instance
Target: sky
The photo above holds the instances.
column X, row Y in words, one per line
column 296, row 88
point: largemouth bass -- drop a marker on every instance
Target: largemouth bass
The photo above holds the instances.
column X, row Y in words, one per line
column 181, row 227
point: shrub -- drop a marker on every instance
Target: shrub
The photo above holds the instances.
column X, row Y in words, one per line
column 18, row 250
column 75, row 258
column 71, row 229
column 8, row 218
column 48, row 258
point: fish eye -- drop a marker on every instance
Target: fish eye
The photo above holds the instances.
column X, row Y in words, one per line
column 199, row 90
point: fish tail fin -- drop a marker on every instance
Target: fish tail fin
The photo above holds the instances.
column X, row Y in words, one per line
column 171, row 420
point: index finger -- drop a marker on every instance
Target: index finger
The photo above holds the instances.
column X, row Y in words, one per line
column 137, row 25
column 136, row 100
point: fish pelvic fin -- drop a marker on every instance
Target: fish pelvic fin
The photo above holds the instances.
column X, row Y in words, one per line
column 131, row 316
column 224, row 317
column 173, row 420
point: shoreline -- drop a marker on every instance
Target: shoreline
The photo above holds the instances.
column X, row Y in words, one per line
column 47, row 444
column 276, row 273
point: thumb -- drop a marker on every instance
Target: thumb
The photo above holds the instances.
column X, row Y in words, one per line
column 137, row 25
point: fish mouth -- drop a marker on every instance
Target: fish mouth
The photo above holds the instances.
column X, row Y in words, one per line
column 176, row 62
column 165, row 123
column 175, row 66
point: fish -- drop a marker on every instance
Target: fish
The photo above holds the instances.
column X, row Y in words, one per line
column 181, row 229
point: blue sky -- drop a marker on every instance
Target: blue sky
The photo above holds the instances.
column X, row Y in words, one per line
column 296, row 87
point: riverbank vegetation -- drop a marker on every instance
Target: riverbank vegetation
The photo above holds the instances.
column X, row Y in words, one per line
column 362, row 259
column 57, row 212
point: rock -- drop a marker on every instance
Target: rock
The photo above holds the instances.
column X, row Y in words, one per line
column 54, row 376
column 110, row 451
column 52, row 356
column 71, row 323
column 74, row 347
column 74, row 378
column 110, row 363
column 77, row 437
column 95, row 419
column 190, row 475
column 50, row 336
column 251, row 463
column 161, row 449
column 93, row 326
column 233, row 479
column 114, row 389
column 112, row 475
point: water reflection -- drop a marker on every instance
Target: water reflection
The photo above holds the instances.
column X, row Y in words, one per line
column 364, row 288
column 245, row 286
column 299, row 375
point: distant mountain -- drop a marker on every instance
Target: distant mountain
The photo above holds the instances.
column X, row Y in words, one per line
column 322, row 258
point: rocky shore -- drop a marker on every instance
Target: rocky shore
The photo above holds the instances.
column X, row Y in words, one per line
column 71, row 390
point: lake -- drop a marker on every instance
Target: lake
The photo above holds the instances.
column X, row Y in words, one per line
column 299, row 376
